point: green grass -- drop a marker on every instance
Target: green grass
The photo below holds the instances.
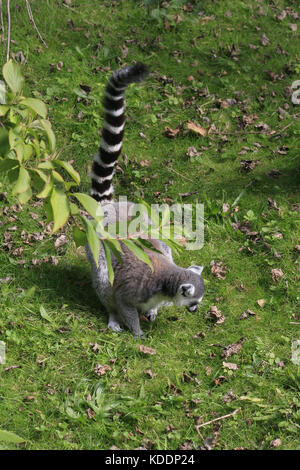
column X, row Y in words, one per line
column 50, row 318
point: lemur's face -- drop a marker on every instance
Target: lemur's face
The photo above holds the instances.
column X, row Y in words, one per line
column 190, row 293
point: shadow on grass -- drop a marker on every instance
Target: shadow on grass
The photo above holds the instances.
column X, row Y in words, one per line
column 63, row 284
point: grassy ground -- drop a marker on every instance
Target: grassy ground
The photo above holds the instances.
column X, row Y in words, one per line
column 50, row 320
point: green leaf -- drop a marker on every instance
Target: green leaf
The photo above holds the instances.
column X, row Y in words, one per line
column 111, row 275
column 79, row 237
column 90, row 205
column 23, row 182
column 60, row 207
column 74, row 209
column 92, row 238
column 45, row 315
column 13, row 76
column 3, row 110
column 36, row 105
column 8, row 436
column 44, row 177
column 4, row 142
column 115, row 247
column 28, row 151
column 138, row 252
column 24, row 197
column 57, row 177
column 20, row 151
column 68, row 167
column 14, row 138
column 46, row 190
column 8, row 164
column 47, row 165
column 50, row 134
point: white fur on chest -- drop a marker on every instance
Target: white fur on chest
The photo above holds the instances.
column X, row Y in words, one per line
column 156, row 302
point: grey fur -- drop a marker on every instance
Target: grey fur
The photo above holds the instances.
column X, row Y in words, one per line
column 136, row 289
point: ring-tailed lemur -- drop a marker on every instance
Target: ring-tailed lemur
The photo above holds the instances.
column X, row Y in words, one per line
column 136, row 288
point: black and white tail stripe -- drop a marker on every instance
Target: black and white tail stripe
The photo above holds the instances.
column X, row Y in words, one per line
column 113, row 129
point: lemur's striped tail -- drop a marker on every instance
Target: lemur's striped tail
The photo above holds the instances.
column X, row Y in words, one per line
column 110, row 147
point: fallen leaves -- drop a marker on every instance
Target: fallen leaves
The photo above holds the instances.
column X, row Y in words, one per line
column 146, row 349
column 60, row 241
column 261, row 302
column 171, row 133
column 192, row 152
column 248, row 313
column 150, row 373
column 101, row 370
column 229, row 396
column 233, row 348
column 276, row 274
column 218, row 270
column 264, row 40
column 215, row 314
column 230, row 365
column 276, row 443
column 249, row 165
column 196, row 128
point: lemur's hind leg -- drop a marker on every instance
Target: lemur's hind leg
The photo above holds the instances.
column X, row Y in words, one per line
column 114, row 323
column 130, row 318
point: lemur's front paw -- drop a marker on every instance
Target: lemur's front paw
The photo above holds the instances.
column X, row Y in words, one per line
column 151, row 314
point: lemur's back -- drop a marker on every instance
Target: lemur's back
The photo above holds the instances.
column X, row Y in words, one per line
column 136, row 287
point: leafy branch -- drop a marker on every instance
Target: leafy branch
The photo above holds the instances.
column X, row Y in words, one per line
column 30, row 161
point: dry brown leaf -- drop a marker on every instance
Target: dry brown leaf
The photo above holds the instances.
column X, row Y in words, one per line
column 218, row 270
column 196, row 128
column 150, row 373
column 249, row 165
column 219, row 380
column 60, row 241
column 264, row 40
column 29, row 398
column 187, row 445
column 215, row 314
column 261, row 302
column 247, row 313
column 282, row 15
column 225, row 208
column 90, row 413
column 177, row 19
column 230, row 365
column 276, row 274
column 145, row 163
column 229, row 396
column 192, row 152
column 171, row 133
column 233, row 348
column 276, row 442
column 146, row 349
column 101, row 370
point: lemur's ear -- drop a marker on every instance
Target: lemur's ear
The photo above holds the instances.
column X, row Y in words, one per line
column 196, row 269
column 187, row 290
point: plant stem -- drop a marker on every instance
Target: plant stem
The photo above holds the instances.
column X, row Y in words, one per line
column 33, row 23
